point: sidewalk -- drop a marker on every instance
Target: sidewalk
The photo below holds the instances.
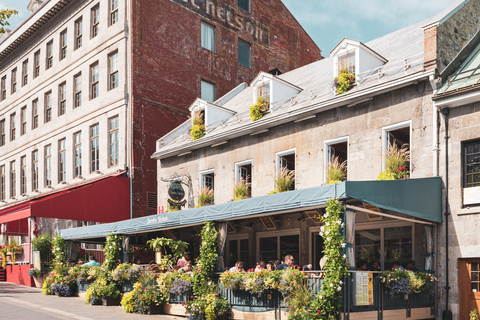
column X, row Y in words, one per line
column 20, row 302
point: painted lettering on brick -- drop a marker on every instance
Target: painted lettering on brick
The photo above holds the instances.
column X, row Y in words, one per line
column 228, row 17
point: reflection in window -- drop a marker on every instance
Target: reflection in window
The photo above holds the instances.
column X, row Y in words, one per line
column 238, row 251
column 367, row 246
column 398, row 246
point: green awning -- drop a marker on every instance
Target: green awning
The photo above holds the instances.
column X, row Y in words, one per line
column 419, row 198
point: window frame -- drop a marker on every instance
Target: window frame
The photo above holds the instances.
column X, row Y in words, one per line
column 94, row 20
column 24, row 72
column 465, row 154
column 113, row 12
column 35, row 170
column 327, row 154
column 94, row 148
column 63, row 45
column 49, row 55
column 249, row 6
column 3, row 88
column 23, row 120
column 385, row 139
column 77, row 154
column 94, row 80
column 77, row 94
column 204, row 27
column 48, row 165
column 205, row 173
column 3, row 183
column 113, row 74
column 113, row 141
column 34, row 113
column 278, row 234
column 48, row 102
column 13, row 180
column 238, row 174
column 78, row 33
column 13, row 88
column 3, row 130
column 249, row 53
column 13, row 126
column 36, row 64
column 213, row 86
column 278, row 165
column 23, row 175
column 62, row 98
column 62, row 160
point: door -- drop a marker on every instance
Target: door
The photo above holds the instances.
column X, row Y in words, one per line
column 469, row 286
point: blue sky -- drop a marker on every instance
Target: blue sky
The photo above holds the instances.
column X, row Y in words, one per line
column 329, row 21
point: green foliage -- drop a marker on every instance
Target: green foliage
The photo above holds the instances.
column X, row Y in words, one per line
column 198, row 129
column 299, row 303
column 205, row 197
column 415, row 281
column 328, row 301
column 5, row 14
column 397, row 161
column 207, row 307
column 59, row 251
column 387, row 175
column 285, row 178
column 206, row 261
column 474, row 314
column 344, row 81
column 112, row 251
column 43, row 244
column 176, row 247
column 336, row 171
column 57, row 278
column 241, row 190
column 125, row 271
column 103, row 287
column 84, row 272
column 258, row 109
column 141, row 297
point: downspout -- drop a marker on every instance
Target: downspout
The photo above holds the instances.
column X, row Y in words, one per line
column 447, row 314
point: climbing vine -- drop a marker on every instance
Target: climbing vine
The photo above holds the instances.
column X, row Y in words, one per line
column 112, row 250
column 59, row 251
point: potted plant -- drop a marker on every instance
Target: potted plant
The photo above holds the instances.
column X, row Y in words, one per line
column 3, row 253
column 38, row 275
column 145, row 299
column 397, row 161
column 284, row 181
column 43, row 244
column 13, row 249
column 198, row 129
column 336, row 171
column 103, row 291
column 126, row 275
column 205, row 197
column 208, row 306
column 164, row 259
column 241, row 190
column 258, row 110
column 344, row 81
column 84, row 276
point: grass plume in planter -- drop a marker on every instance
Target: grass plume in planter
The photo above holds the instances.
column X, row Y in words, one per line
column 198, row 129
column 258, row 110
column 397, row 161
column 284, row 181
column 336, row 171
column 205, row 197
column 241, row 190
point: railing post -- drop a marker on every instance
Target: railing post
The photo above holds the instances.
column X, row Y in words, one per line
column 380, row 300
column 409, row 307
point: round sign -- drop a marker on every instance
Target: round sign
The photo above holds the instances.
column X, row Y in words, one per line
column 176, row 191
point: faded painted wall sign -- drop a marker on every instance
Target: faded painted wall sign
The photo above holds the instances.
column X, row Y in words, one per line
column 228, row 17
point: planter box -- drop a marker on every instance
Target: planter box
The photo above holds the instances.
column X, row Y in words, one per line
column 39, row 281
column 110, row 301
column 83, row 285
column 154, row 309
column 127, row 286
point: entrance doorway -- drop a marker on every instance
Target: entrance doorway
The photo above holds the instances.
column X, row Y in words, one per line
column 469, row 285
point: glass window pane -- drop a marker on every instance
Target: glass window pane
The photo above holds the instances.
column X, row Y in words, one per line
column 367, row 246
column 289, row 245
column 475, row 266
column 208, row 91
column 244, row 53
column 244, row 4
column 244, row 254
column 268, row 249
column 474, row 276
column 398, row 246
column 233, row 253
column 208, row 36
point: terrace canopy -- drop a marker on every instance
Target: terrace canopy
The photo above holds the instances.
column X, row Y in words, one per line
column 417, row 198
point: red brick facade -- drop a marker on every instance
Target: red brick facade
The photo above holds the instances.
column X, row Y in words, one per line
column 168, row 64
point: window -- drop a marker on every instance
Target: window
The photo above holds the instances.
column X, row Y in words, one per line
column 2, row 132
column 12, row 126
column 14, row 81
column 238, row 251
column 243, row 171
column 25, row 73
column 471, row 164
column 244, row 4
column 347, row 62
column 94, row 149
column 264, row 91
column 207, row 179
column 78, row 32
column 63, row 44
column 2, row 183
column 62, row 161
column 35, row 114
column 77, row 87
column 49, row 62
column 36, row 64
column 34, row 170
column 3, row 88
column 277, row 245
column 397, row 135
column 95, row 20
column 286, row 159
column 113, row 70
column 23, row 175
column 23, row 120
column 243, row 53
column 207, row 36
column 77, row 170
column 113, row 141
column 336, row 151
column 48, row 106
column 62, row 98
column 113, row 11
column 94, row 83
column 48, row 165
column 208, row 91
column 13, row 182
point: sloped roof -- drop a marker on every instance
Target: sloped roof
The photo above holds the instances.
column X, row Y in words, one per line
column 403, row 49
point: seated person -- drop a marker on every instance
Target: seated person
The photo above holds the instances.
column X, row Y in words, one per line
column 287, row 264
column 397, row 266
column 375, row 266
column 186, row 257
column 137, row 261
column 260, row 266
column 187, row 268
column 270, row 266
column 80, row 262
column 362, row 265
column 92, row 261
column 237, row 268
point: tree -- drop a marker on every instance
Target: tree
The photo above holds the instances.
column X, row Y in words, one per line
column 5, row 14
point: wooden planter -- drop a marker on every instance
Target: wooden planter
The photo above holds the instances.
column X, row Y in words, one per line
column 264, row 108
column 39, row 281
column 109, row 301
column 154, row 309
column 223, row 316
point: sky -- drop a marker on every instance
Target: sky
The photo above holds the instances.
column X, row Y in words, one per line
column 329, row 21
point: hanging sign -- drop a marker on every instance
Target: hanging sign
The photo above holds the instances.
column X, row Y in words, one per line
column 176, row 191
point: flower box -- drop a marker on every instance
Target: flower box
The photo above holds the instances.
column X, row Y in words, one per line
column 39, row 281
column 83, row 285
column 109, row 301
column 154, row 309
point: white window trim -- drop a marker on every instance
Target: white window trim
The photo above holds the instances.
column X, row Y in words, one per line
column 285, row 153
column 347, row 52
column 263, row 82
column 270, row 234
column 201, row 182
column 387, row 129
column 237, row 168
column 326, row 153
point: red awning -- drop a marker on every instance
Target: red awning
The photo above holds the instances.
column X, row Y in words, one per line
column 104, row 200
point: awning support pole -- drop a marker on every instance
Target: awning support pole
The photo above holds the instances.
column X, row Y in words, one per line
column 386, row 215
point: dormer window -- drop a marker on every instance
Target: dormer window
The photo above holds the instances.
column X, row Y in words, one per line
column 264, row 91
column 206, row 115
column 347, row 62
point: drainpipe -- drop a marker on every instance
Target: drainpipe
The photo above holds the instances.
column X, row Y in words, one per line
column 447, row 314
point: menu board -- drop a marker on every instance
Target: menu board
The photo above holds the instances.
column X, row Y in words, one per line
column 363, row 288
column 36, row 259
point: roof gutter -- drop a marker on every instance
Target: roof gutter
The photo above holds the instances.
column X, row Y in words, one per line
column 344, row 99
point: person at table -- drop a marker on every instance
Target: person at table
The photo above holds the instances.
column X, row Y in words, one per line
column 375, row 266
column 137, row 261
column 92, row 261
column 289, row 263
column 397, row 266
column 260, row 266
column 270, row 266
column 186, row 257
column 411, row 266
column 187, row 268
column 238, row 267
column 362, row 265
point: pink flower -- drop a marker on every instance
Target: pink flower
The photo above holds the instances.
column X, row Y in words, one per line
column 318, row 311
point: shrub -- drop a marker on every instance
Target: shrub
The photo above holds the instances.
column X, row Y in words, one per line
column 198, row 129
column 258, row 109
column 344, row 81
column 285, row 178
column 43, row 244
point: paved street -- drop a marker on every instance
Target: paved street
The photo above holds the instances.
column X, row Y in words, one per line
column 20, row 302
